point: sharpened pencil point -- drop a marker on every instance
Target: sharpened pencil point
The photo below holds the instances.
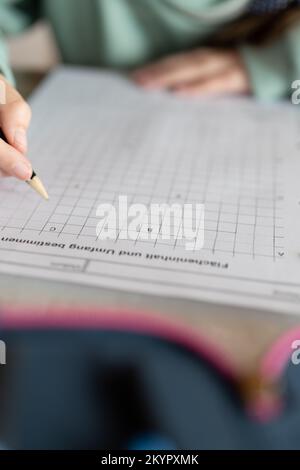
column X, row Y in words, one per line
column 36, row 184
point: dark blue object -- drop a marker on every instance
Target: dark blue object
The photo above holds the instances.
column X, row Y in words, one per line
column 151, row 442
column 115, row 390
column 260, row 7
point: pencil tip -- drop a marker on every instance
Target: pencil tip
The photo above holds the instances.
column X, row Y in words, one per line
column 36, row 184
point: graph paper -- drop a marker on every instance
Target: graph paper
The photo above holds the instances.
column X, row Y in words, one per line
column 96, row 137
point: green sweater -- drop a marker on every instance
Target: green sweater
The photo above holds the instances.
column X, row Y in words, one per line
column 127, row 33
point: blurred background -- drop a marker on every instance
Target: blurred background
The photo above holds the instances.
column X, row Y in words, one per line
column 33, row 54
column 34, row 50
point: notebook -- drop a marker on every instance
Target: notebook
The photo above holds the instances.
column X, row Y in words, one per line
column 101, row 145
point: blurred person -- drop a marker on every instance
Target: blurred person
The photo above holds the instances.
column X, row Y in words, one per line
column 189, row 47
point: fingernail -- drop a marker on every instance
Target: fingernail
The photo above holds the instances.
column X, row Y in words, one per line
column 22, row 170
column 21, row 139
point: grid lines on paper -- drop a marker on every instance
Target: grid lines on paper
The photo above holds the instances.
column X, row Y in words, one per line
column 242, row 193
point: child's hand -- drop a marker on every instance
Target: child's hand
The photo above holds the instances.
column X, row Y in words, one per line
column 198, row 72
column 15, row 117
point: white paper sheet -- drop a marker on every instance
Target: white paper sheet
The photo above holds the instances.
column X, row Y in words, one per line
column 95, row 136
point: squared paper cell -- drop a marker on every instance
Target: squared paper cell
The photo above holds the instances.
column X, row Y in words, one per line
column 53, row 228
column 71, row 229
column 65, row 210
column 88, row 232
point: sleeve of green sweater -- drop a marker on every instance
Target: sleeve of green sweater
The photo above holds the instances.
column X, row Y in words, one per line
column 15, row 16
column 274, row 67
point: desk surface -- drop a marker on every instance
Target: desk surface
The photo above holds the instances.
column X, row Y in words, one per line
column 243, row 334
